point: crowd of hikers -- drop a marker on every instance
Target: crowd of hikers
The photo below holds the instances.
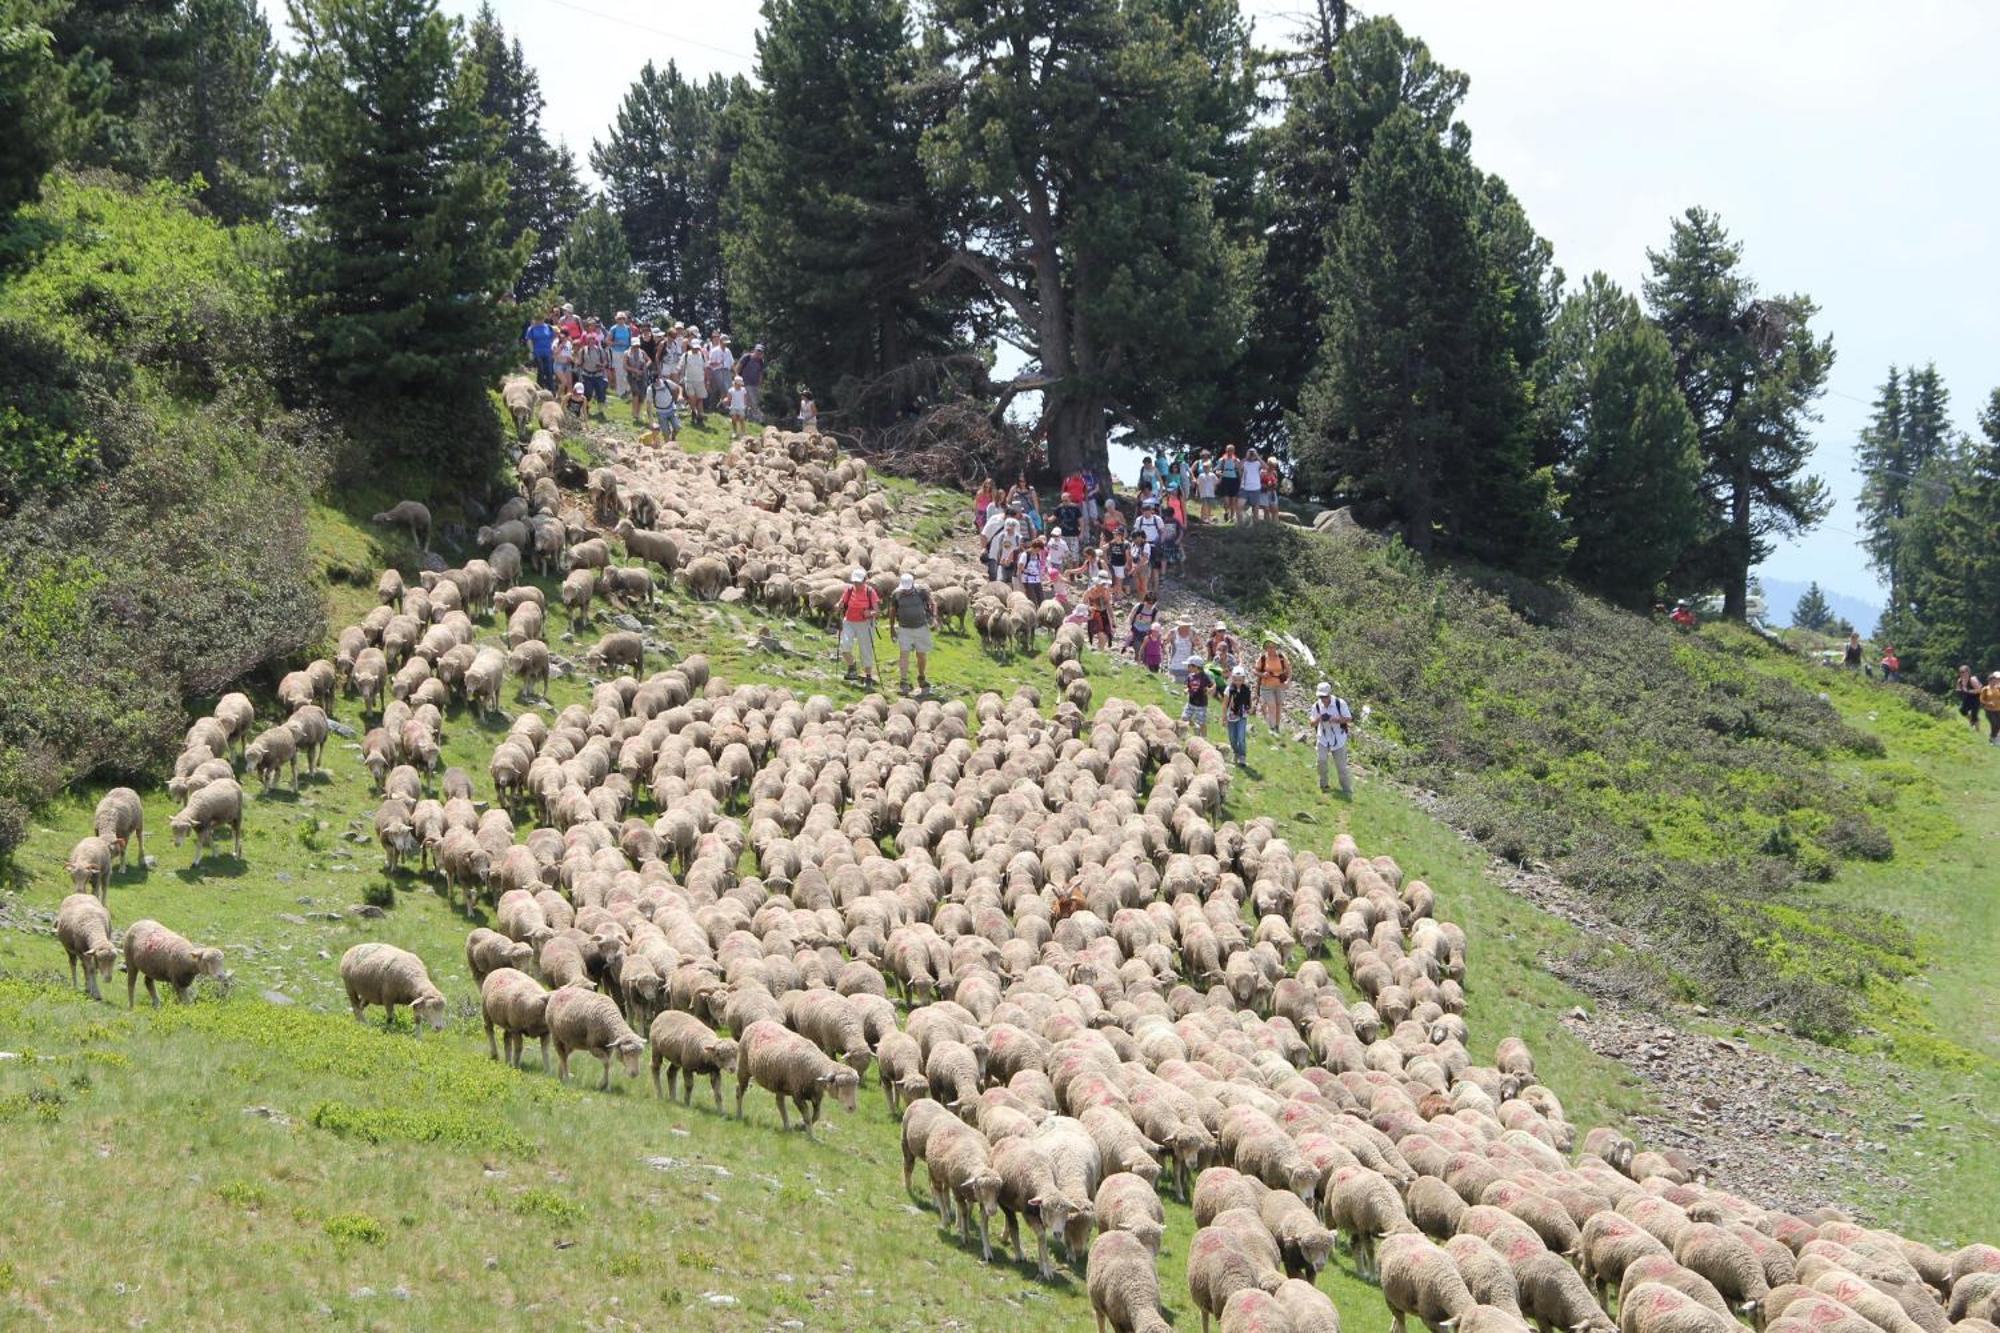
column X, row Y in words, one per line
column 1105, row 558
column 666, row 372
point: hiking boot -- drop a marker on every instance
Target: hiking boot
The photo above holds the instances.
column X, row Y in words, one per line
column 923, row 686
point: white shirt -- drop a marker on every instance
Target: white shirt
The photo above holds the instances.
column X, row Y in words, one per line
column 1253, row 474
column 1179, row 650
column 1327, row 716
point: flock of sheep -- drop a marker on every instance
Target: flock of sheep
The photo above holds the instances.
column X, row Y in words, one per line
column 1076, row 983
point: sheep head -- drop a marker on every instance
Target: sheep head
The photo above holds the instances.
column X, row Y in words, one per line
column 629, row 1048
column 209, row 962
column 842, row 1083
column 428, row 1008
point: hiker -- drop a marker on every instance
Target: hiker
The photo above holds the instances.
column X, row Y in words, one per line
column 1097, row 606
column 578, row 403
column 1274, row 672
column 1145, row 616
column 1058, row 555
column 1989, row 699
column 721, row 366
column 1892, row 665
column 617, row 342
column 1967, row 689
column 593, row 363
column 1117, row 551
column 1181, row 650
column 750, row 370
column 1003, row 549
column 981, row 504
column 1683, row 615
column 1152, row 650
column 1141, row 556
column 1204, row 486
column 1093, row 503
column 739, row 406
column 1332, row 721
column 1222, row 646
column 667, row 408
column 638, row 378
column 1034, row 566
column 858, row 607
column 694, row 379
column 1850, row 656
column 1236, row 706
column 1195, row 710
column 565, row 365
column 541, row 341
column 1253, row 487
column 1229, row 482
column 916, row 616
column 808, row 412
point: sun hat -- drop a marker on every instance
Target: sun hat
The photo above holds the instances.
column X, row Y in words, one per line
column 1195, row 660
column 857, row 574
column 907, row 582
column 1324, row 691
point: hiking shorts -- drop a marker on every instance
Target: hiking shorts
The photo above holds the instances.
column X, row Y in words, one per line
column 1227, row 487
column 913, row 639
column 860, row 636
column 1271, row 693
column 1195, row 713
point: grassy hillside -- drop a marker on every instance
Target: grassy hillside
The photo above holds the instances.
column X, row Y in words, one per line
column 258, row 1158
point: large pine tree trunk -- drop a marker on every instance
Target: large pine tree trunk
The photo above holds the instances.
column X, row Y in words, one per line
column 1077, row 435
column 1736, row 573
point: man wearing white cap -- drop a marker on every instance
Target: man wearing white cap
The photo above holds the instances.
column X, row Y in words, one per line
column 916, row 613
column 1332, row 721
column 859, row 604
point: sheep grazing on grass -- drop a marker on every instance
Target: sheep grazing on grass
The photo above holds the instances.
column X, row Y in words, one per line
column 120, row 820
column 1028, row 1189
column 378, row 973
column 1254, row 1311
column 488, row 951
column 1487, row 1276
column 218, row 805
column 1307, row 1308
column 583, row 1020
column 1304, row 1245
column 963, row 1180
column 1364, row 1207
column 89, row 867
column 687, row 1046
column 153, row 953
column 1219, row 1266
column 1653, row 1308
column 517, row 1004
column 1124, row 1285
column 787, row 1065
column 1420, row 1279
column 1126, row 1202
column 83, row 924
column 271, row 753
column 1554, row 1297
column 412, row 515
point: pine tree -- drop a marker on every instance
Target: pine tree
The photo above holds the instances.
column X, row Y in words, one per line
column 402, row 255
column 1343, row 87
column 1094, row 147
column 665, row 166
column 216, row 123
column 832, row 226
column 31, row 103
column 594, row 271
column 1885, row 476
column 1751, row 372
column 121, row 57
column 1624, row 444
column 1953, row 566
column 1418, row 410
column 543, row 193
column 1812, row 612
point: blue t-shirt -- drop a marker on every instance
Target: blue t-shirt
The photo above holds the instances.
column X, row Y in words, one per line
column 541, row 338
column 621, row 337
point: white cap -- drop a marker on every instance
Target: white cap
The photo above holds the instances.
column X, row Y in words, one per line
column 857, row 574
column 1324, row 691
column 1195, row 660
column 1240, row 674
column 907, row 582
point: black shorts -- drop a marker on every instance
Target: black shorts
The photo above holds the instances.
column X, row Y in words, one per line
column 1968, row 704
column 1227, row 487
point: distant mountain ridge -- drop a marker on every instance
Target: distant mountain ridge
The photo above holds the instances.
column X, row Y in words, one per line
column 1781, row 595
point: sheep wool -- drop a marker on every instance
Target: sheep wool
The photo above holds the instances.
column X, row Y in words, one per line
column 153, row 954
column 382, row 974
column 83, row 925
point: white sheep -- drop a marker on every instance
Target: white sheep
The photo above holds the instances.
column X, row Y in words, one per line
column 787, row 1065
column 215, row 806
column 120, row 819
column 83, row 924
column 488, row 950
column 412, row 515
column 583, row 1020
column 378, row 973
column 687, row 1046
column 517, row 1004
column 154, row 953
column 272, row 752
column 89, row 867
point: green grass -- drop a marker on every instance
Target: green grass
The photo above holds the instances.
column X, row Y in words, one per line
column 258, row 1159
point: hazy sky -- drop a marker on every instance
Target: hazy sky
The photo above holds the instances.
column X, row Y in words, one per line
column 1839, row 142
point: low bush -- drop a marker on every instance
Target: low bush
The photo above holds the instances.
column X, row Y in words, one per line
column 1692, row 789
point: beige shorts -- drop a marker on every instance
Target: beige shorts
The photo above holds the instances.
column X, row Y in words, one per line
column 917, row 640
column 860, row 636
